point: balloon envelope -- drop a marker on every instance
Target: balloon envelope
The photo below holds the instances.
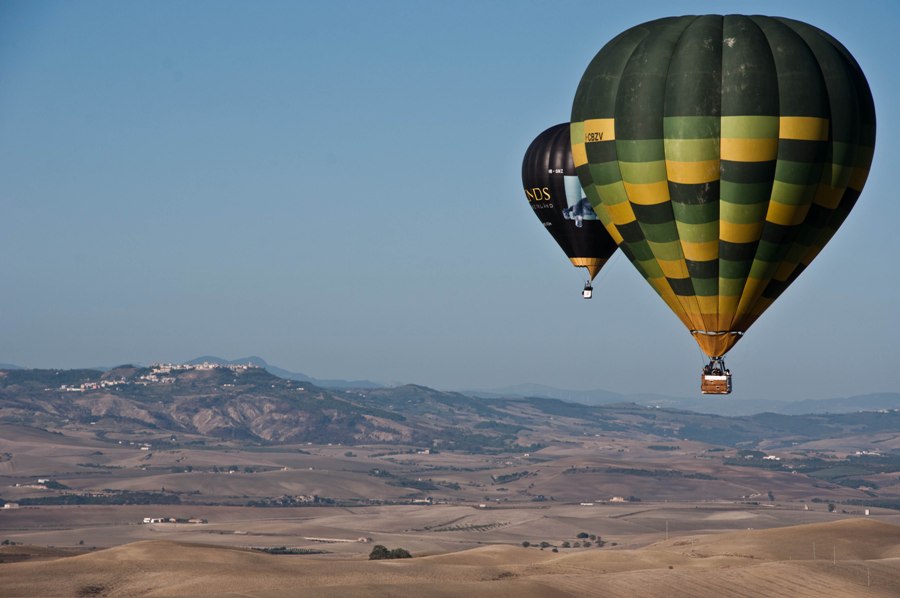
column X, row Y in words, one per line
column 722, row 153
column 553, row 191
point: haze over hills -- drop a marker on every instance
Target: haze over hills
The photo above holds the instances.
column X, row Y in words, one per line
column 717, row 405
column 729, row 406
column 287, row 374
column 250, row 403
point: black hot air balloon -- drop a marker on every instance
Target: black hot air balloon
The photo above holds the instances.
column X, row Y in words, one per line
column 722, row 153
column 555, row 195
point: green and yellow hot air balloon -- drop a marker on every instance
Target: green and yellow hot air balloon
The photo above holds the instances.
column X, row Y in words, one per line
column 722, row 153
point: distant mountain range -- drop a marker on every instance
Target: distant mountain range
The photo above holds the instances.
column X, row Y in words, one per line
column 727, row 406
column 251, row 405
column 719, row 406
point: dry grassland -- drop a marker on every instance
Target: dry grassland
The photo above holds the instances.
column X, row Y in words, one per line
column 854, row 557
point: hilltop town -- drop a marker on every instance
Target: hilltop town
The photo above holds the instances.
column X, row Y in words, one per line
column 159, row 373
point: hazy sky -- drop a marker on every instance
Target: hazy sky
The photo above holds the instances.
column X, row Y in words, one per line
column 335, row 186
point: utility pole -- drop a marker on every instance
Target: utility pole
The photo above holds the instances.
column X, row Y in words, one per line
column 667, row 529
column 814, row 551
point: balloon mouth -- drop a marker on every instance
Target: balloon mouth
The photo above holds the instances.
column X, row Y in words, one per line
column 592, row 264
column 717, row 332
column 716, row 343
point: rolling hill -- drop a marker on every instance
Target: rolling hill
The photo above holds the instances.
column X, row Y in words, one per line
column 759, row 563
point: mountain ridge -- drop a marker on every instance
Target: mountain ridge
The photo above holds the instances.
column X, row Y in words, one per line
column 729, row 406
column 247, row 403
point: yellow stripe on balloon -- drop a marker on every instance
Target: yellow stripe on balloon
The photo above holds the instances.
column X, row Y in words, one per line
column 806, row 128
column 648, row 194
column 731, row 232
column 692, row 173
column 749, row 150
column 786, row 214
column 700, row 252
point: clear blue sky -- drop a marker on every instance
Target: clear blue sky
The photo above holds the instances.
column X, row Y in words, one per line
column 335, row 186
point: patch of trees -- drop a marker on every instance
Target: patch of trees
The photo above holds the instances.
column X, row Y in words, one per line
column 119, row 497
column 653, row 473
column 752, row 454
column 499, row 427
column 227, row 469
column 856, row 483
column 417, row 484
column 848, row 472
column 753, row 462
column 662, row 447
column 470, row 527
column 883, row 503
column 380, row 552
column 286, row 550
column 584, row 539
column 728, row 436
column 292, row 501
column 509, row 477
